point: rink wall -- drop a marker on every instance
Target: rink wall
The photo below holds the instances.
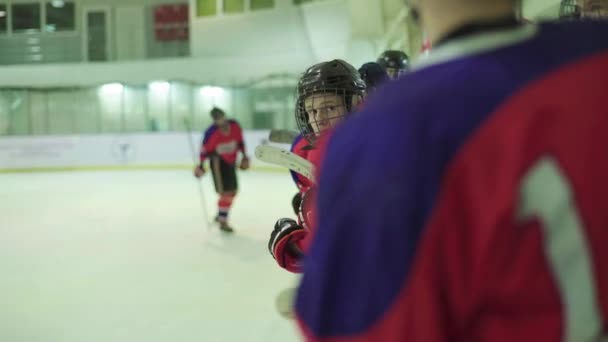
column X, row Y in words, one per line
column 111, row 152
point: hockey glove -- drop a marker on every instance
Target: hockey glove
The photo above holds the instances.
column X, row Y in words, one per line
column 244, row 163
column 283, row 244
column 199, row 171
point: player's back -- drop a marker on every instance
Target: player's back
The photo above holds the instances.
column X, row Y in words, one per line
column 521, row 221
column 500, row 217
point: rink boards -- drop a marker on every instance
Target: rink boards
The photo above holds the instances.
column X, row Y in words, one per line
column 112, row 152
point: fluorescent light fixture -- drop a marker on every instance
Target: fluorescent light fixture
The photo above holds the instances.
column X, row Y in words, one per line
column 2, row 14
column 211, row 91
column 111, row 89
column 159, row 86
column 57, row 3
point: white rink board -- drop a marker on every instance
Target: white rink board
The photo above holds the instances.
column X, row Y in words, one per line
column 111, row 150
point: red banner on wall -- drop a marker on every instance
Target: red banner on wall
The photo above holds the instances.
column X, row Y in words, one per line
column 171, row 22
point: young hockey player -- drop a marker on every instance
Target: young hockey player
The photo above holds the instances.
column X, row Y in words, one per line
column 327, row 92
column 374, row 75
column 396, row 63
column 465, row 201
column 221, row 144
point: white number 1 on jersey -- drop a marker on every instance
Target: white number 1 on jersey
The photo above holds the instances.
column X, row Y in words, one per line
column 546, row 193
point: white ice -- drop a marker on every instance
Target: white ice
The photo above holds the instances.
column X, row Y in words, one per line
column 127, row 256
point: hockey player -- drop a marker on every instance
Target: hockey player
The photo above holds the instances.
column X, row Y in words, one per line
column 395, row 62
column 465, row 201
column 374, row 75
column 327, row 92
column 221, row 144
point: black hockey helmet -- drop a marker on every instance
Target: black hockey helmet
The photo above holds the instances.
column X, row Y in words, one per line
column 394, row 62
column 373, row 74
column 325, row 93
column 217, row 113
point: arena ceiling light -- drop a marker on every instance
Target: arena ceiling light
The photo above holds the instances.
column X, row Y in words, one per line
column 159, row 87
column 211, row 91
column 58, row 3
column 111, row 88
column 2, row 14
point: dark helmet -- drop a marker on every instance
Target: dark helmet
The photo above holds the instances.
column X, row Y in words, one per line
column 335, row 77
column 396, row 60
column 570, row 9
column 217, row 113
column 373, row 74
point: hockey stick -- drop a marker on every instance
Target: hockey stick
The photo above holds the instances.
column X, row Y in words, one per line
column 195, row 161
column 282, row 136
column 277, row 156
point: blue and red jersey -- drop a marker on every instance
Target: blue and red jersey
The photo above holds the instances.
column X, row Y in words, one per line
column 307, row 216
column 224, row 143
column 302, row 148
column 472, row 209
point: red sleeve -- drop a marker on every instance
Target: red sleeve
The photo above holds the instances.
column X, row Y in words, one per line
column 287, row 260
column 301, row 148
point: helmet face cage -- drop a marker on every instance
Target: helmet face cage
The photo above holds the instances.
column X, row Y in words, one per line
column 394, row 62
column 394, row 73
column 320, row 110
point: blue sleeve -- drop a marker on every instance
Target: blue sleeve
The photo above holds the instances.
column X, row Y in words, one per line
column 209, row 133
column 205, row 148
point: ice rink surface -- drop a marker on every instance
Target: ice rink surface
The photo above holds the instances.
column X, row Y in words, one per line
column 126, row 256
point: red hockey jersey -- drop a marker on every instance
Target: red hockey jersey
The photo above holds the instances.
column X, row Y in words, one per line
column 225, row 144
column 302, row 148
